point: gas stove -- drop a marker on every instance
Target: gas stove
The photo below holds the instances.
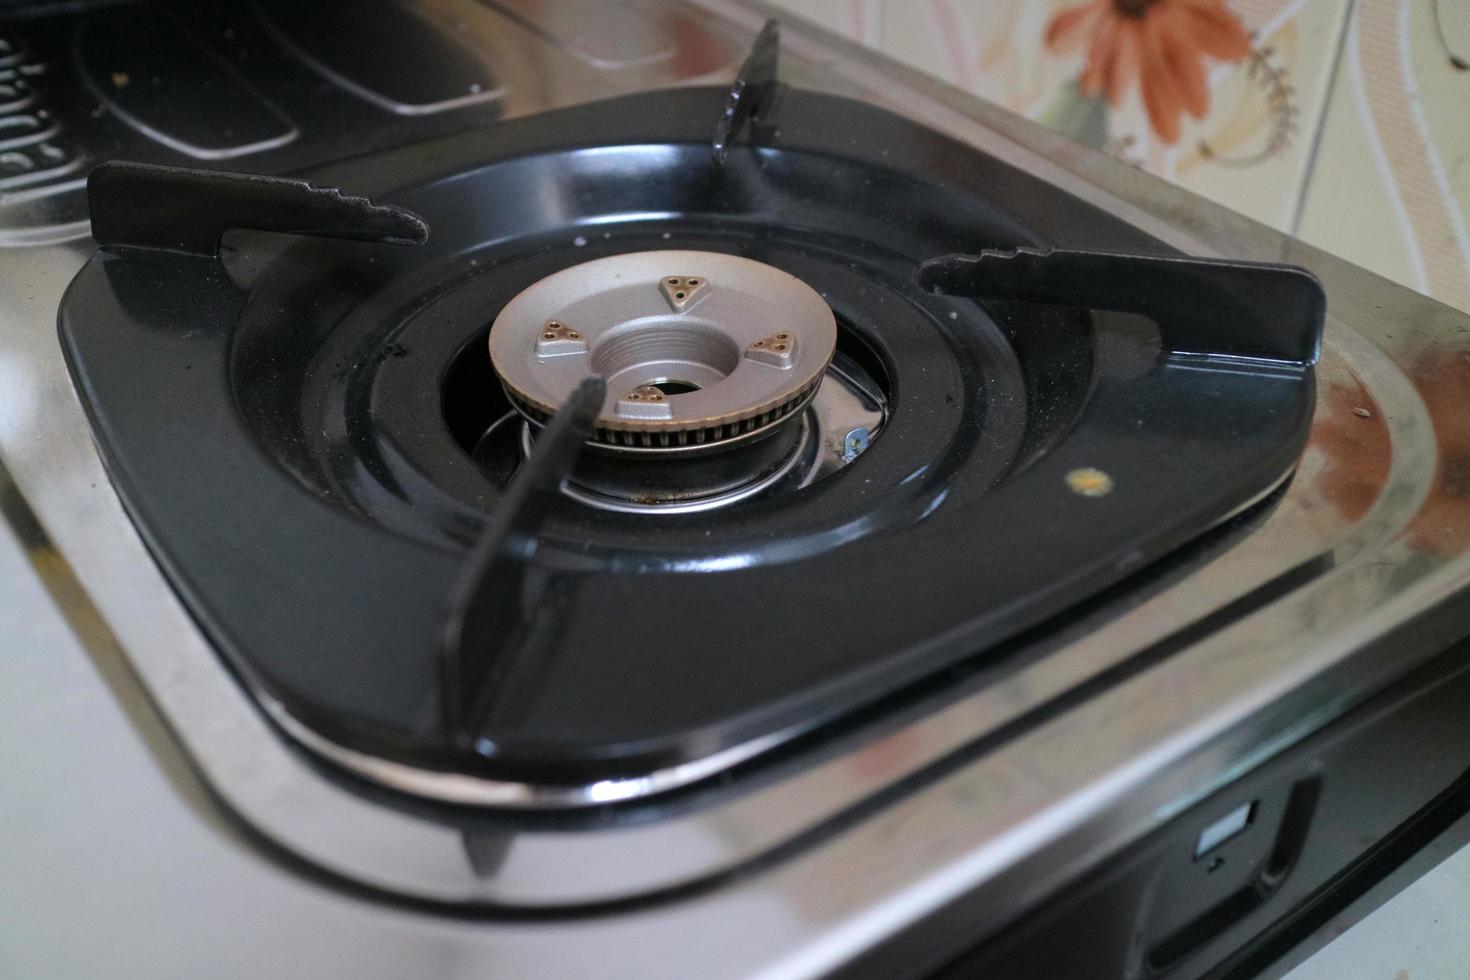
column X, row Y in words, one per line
column 641, row 488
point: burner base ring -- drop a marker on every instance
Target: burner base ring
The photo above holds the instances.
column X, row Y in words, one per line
column 787, row 463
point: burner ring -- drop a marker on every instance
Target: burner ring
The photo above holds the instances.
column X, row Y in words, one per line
column 611, row 499
column 699, row 349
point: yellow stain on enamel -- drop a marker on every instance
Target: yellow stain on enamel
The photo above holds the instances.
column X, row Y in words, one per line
column 1090, row 482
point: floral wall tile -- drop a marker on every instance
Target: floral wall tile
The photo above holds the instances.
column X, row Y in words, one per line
column 1340, row 120
column 1253, row 150
column 1223, row 98
column 1391, row 183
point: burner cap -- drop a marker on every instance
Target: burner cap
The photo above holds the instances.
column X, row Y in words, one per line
column 699, row 349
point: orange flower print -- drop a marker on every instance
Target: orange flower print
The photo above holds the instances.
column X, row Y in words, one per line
column 1161, row 43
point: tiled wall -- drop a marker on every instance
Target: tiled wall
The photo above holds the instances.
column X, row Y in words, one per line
column 1342, row 121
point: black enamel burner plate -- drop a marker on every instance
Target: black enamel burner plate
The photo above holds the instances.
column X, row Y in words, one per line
column 290, row 428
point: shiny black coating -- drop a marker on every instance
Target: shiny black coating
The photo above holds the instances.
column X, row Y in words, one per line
column 491, row 607
column 303, row 487
column 753, row 90
column 1235, row 309
column 184, row 209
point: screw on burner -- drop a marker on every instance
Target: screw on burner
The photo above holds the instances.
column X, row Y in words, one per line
column 683, row 292
column 557, row 339
column 779, row 349
column 645, row 402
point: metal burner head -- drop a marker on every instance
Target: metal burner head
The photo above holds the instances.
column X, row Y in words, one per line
column 699, row 349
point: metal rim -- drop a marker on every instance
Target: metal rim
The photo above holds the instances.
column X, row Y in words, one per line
column 463, row 789
column 684, row 441
column 750, row 434
column 602, row 501
column 699, row 348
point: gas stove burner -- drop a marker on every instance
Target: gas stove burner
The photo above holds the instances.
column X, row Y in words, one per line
column 701, row 350
column 680, row 355
column 917, row 287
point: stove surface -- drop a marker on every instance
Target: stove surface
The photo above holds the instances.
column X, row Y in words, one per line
column 320, row 528
column 995, row 782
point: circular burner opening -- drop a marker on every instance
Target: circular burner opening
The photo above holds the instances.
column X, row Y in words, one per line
column 689, row 356
column 686, row 453
column 669, row 386
column 855, row 395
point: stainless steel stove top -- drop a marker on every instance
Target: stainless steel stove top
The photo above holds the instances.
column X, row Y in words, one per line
column 158, row 825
